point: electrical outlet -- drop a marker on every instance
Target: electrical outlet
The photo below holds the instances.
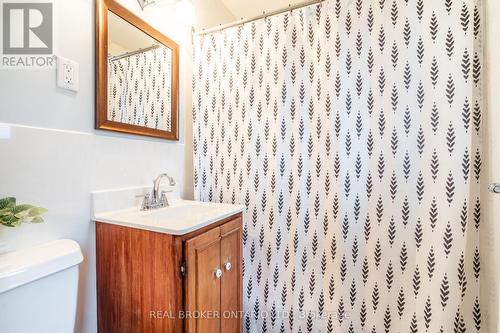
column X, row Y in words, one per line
column 67, row 74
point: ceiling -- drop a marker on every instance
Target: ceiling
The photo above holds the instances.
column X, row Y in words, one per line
column 251, row 8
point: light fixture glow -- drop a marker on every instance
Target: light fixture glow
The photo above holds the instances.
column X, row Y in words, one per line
column 184, row 9
column 145, row 3
column 186, row 12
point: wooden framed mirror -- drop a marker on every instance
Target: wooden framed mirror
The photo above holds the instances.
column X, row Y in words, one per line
column 137, row 75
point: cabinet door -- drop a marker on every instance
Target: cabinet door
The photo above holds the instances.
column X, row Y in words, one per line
column 231, row 293
column 203, row 286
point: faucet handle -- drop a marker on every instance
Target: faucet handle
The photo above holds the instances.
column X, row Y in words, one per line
column 164, row 199
column 146, row 202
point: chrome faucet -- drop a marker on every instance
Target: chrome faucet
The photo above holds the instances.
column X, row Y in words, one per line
column 156, row 199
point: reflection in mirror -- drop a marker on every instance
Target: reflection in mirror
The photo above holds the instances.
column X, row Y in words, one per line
column 139, row 77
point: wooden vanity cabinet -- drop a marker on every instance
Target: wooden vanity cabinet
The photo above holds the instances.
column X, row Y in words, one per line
column 214, row 291
column 154, row 282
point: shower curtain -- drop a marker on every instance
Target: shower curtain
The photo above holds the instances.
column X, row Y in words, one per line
column 351, row 132
column 136, row 101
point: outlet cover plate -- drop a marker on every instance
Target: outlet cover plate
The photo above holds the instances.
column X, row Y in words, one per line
column 67, row 74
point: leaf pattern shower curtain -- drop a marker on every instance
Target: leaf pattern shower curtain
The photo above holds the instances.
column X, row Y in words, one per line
column 136, row 101
column 351, row 132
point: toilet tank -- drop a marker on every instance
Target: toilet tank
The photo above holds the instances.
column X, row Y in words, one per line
column 39, row 288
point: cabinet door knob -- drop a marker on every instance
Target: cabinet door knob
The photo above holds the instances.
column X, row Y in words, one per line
column 228, row 266
column 218, row 273
column 494, row 188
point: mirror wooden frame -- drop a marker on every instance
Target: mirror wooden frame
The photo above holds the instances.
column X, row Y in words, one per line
column 102, row 121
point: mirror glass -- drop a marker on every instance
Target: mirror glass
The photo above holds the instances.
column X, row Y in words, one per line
column 139, row 77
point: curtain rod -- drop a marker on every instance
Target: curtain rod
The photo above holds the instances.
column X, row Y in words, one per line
column 129, row 54
column 262, row 16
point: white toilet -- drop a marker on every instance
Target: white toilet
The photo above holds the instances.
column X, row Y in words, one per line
column 39, row 287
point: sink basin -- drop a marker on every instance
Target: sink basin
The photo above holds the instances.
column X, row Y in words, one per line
column 180, row 218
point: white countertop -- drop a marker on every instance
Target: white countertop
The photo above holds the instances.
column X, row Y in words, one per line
column 180, row 218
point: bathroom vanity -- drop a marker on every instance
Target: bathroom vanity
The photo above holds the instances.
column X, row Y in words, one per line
column 175, row 269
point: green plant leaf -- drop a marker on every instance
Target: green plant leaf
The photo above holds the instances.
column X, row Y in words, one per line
column 37, row 219
column 13, row 216
column 37, row 211
column 22, row 210
column 7, row 202
column 10, row 220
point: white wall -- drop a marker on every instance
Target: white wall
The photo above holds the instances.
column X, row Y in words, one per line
column 251, row 8
column 54, row 158
column 491, row 223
